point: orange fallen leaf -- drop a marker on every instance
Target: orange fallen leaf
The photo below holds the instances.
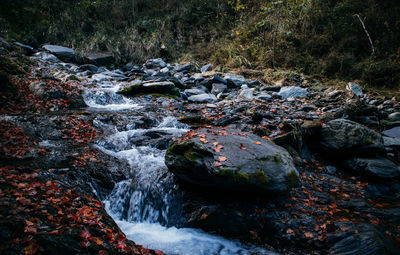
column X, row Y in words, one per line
column 203, row 216
column 308, row 235
column 203, row 140
column 289, row 231
column 257, row 142
column 222, row 158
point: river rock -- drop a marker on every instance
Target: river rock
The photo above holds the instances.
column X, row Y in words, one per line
column 367, row 240
column 235, row 80
column 63, row 53
column 246, row 162
column 374, row 167
column 44, row 56
column 354, row 89
column 394, row 132
column 206, row 68
column 88, row 67
column 348, row 138
column 162, row 87
column 292, row 91
column 192, row 92
column 391, row 141
column 245, row 94
column 218, row 88
column 182, row 68
column 155, row 63
column 203, row 98
column 99, row 58
column 394, row 116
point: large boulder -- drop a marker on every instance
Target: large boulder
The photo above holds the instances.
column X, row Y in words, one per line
column 292, row 91
column 162, row 88
column 98, row 58
column 367, row 240
column 381, row 168
column 235, row 80
column 155, row 63
column 63, row 53
column 348, row 138
column 230, row 160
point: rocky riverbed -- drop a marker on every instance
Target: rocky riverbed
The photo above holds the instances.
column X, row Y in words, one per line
column 188, row 160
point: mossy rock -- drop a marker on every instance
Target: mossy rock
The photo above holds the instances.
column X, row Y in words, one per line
column 263, row 166
column 161, row 89
column 10, row 66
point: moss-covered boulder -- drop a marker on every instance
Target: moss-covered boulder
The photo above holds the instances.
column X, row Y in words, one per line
column 11, row 66
column 230, row 160
column 162, row 88
column 347, row 138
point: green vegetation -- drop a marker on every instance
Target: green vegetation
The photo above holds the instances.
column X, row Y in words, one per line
column 292, row 177
column 345, row 39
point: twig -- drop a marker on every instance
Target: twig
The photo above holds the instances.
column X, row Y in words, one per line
column 366, row 31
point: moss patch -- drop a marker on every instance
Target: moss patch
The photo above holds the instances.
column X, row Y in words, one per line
column 10, row 66
column 259, row 178
column 292, row 177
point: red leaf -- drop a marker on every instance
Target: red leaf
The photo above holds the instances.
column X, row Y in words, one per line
column 120, row 245
column 85, row 244
column 85, row 234
column 242, row 147
column 217, row 163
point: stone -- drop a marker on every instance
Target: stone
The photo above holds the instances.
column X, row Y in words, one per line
column 354, row 89
column 182, row 68
column 394, row 116
column 192, row 92
column 155, row 63
column 330, row 169
column 292, row 91
column 264, row 97
column 44, row 56
column 246, row 162
column 206, row 68
column 367, row 240
column 218, row 88
column 166, row 88
column 348, row 138
column 245, row 94
column 253, row 84
column 98, row 58
column 63, row 53
column 391, row 141
column 203, row 98
column 374, row 167
column 394, row 132
column 234, row 80
column 88, row 67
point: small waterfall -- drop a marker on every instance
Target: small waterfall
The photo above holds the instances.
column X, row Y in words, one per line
column 147, row 207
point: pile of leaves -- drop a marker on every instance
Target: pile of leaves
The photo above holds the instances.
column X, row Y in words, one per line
column 35, row 209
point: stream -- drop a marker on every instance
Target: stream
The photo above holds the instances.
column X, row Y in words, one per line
column 148, row 206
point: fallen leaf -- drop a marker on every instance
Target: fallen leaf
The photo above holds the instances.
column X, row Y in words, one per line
column 242, row 147
column 289, row 231
column 203, row 140
column 217, row 163
column 257, row 142
column 203, row 216
column 308, row 235
column 222, row 158
column 85, row 234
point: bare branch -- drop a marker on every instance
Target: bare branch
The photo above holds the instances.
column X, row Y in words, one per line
column 366, row 32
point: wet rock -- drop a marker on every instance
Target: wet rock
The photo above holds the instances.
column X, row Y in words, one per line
column 192, row 92
column 218, row 88
column 354, row 89
column 162, row 88
column 253, row 84
column 264, row 97
column 348, row 138
column 44, row 56
column 246, row 162
column 155, row 63
column 28, row 49
column 202, row 98
column 206, row 68
column 88, row 67
column 374, row 167
column 391, row 141
column 235, row 80
column 394, row 132
column 292, row 91
column 367, row 240
column 394, row 116
column 226, row 120
column 63, row 53
column 98, row 58
column 182, row 68
column 330, row 169
column 245, row 94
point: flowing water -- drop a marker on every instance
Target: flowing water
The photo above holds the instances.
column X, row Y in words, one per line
column 147, row 206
